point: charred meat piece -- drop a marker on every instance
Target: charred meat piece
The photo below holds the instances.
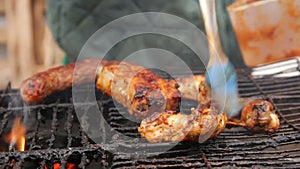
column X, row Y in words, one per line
column 142, row 92
column 37, row 87
column 203, row 123
column 138, row 89
column 257, row 115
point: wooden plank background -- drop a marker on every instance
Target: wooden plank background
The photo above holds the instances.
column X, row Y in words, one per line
column 29, row 45
column 2, row 7
column 2, row 29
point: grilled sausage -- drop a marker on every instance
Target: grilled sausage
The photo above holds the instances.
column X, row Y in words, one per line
column 202, row 124
column 141, row 91
column 138, row 89
column 257, row 115
column 36, row 88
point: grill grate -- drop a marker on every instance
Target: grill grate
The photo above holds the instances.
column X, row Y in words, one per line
column 55, row 136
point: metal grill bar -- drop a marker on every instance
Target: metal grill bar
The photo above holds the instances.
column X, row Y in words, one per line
column 189, row 158
column 4, row 121
column 68, row 128
column 53, row 128
column 36, row 131
column 51, row 156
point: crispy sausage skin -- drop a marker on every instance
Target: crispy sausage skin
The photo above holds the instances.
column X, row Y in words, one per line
column 203, row 123
column 136, row 88
column 141, row 91
column 257, row 115
column 39, row 86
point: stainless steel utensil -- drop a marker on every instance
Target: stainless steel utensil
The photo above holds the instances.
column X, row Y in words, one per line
column 220, row 75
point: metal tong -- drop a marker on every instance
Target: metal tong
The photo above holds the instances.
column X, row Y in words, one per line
column 220, row 74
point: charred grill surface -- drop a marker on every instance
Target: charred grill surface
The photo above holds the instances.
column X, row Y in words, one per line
column 55, row 136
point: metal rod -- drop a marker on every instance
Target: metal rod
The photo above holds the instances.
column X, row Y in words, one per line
column 208, row 8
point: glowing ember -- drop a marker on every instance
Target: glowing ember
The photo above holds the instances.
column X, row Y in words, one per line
column 17, row 135
column 68, row 166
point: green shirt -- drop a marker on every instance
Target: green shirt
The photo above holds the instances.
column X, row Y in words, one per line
column 72, row 22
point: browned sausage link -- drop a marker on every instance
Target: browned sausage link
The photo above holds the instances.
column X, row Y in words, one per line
column 138, row 89
column 41, row 85
column 202, row 123
column 257, row 115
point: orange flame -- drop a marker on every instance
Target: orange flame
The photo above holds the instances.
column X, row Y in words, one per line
column 17, row 135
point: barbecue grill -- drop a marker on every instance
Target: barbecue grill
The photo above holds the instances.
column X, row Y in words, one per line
column 54, row 135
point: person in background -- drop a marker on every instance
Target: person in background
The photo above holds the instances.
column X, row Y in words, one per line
column 72, row 22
